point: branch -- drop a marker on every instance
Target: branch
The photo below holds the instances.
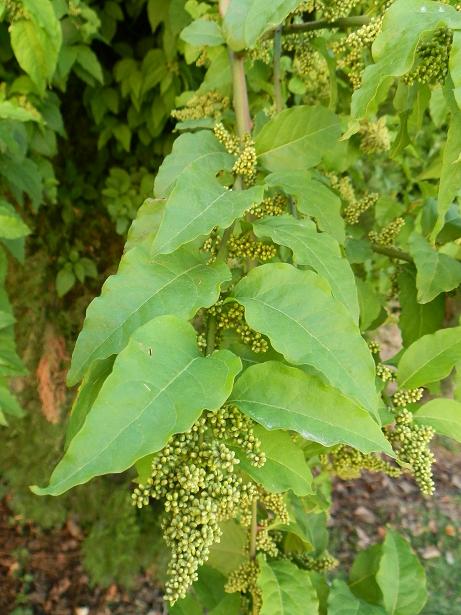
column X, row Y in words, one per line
column 278, row 98
column 392, row 253
column 322, row 24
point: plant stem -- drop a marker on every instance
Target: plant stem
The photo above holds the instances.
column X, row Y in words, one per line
column 323, row 24
column 254, row 528
column 210, row 335
column 278, row 98
column 241, row 104
column 392, row 253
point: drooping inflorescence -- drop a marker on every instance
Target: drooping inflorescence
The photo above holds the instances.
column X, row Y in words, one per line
column 432, row 57
column 246, row 246
column 375, row 136
column 347, row 462
column 387, row 235
column 209, row 105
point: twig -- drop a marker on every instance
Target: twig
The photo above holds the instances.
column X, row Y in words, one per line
column 322, row 24
column 278, row 98
column 392, row 253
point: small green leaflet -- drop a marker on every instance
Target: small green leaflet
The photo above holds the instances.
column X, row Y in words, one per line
column 196, row 205
column 143, row 288
column 417, row 319
column 444, row 415
column 369, row 302
column 203, row 33
column 285, row 589
column 285, row 466
column 435, row 272
column 8, row 403
column 245, row 20
column 281, row 397
column 401, row 577
column 306, row 324
column 362, row 579
column 312, row 199
column 199, row 150
column 430, row 359
column 297, row 138
column 341, row 601
column 150, row 395
column 11, row 225
column 317, row 250
column 394, row 48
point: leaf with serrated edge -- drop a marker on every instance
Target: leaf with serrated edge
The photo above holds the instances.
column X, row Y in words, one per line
column 281, row 397
column 285, row 589
column 143, row 288
column 444, row 415
column 196, row 205
column 150, row 395
column 317, row 250
column 306, row 324
column 430, row 359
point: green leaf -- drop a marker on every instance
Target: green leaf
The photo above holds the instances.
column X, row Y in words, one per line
column 444, row 415
column 146, row 224
column 196, row 205
column 9, row 404
column 362, row 575
column 11, row 225
column 341, row 601
column 285, row 589
column 6, row 319
column 297, row 138
column 285, row 466
column 394, row 48
column 231, row 550
column 11, row 111
column 401, row 577
column 150, row 395
column 312, row 199
column 417, row 319
column 36, row 42
column 435, row 272
column 88, row 60
column 246, row 20
column 203, row 33
column 198, row 150
column 65, row 280
column 430, row 359
column 281, row 397
column 317, row 250
column 318, row 332
column 143, row 288
column 370, row 304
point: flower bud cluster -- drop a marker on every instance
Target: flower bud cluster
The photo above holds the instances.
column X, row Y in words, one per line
column 331, row 10
column 212, row 104
column 374, row 347
column 232, row 316
column 375, row 136
column 247, row 161
column 246, row 246
column 403, row 397
column 244, row 580
column 230, row 141
column 194, row 476
column 432, row 59
column 347, row 462
column 384, row 372
column 387, row 235
column 321, row 563
column 354, row 210
column 269, row 206
column 212, row 244
column 312, row 68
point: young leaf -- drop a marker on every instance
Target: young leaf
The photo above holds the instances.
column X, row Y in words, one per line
column 11, row 225
column 245, row 20
column 199, row 150
column 281, row 397
column 203, row 33
column 362, row 575
column 150, row 395
column 285, row 589
column 430, row 359
column 316, row 250
column 369, row 302
column 8, row 402
column 312, row 199
column 196, row 205
column 341, row 601
column 285, row 466
column 306, row 324
column 435, row 272
column 143, row 288
column 297, row 138
column 444, row 415
column 417, row 319
column 401, row 577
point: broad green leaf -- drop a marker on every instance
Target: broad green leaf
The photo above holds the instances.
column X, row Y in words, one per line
column 281, row 397
column 435, row 272
column 36, row 42
column 394, row 48
column 430, row 359
column 306, row 324
column 87, row 394
column 312, row 199
column 11, row 225
column 231, row 550
column 444, row 415
column 341, row 601
column 208, row 596
column 285, row 466
column 143, row 288
column 317, row 250
column 362, row 575
column 417, row 319
column 401, row 577
column 8, row 402
column 297, row 138
column 199, row 150
column 369, row 302
column 150, row 395
column 246, row 20
column 146, row 224
column 88, row 60
column 13, row 111
column 196, row 205
column 285, row 589
column 203, row 33
column 6, row 319
column 65, row 280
